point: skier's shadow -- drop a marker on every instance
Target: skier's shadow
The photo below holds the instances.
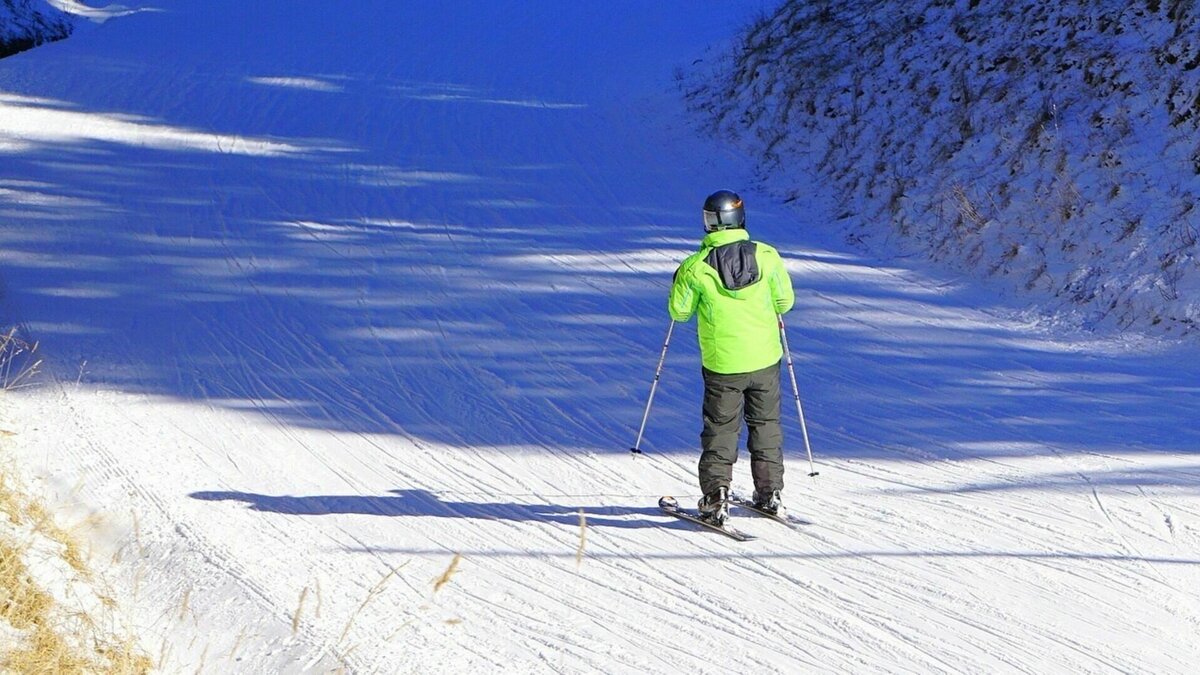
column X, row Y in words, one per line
column 422, row 503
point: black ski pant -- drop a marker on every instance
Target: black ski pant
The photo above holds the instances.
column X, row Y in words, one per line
column 727, row 399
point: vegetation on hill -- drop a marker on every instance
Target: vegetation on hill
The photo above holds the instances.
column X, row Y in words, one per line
column 1053, row 146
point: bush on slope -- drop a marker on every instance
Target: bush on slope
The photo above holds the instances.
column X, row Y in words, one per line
column 1053, row 145
column 25, row 24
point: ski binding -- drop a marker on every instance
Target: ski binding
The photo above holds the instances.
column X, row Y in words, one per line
column 670, row 506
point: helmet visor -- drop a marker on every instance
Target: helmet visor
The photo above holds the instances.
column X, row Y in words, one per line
column 724, row 219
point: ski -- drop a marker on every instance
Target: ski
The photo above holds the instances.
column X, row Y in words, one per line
column 791, row 521
column 669, row 506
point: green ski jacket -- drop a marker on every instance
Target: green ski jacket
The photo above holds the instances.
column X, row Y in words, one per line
column 737, row 287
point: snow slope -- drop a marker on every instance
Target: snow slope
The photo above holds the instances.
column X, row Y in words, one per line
column 1047, row 147
column 330, row 298
column 25, row 24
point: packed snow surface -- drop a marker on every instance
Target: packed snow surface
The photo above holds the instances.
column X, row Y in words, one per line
column 350, row 313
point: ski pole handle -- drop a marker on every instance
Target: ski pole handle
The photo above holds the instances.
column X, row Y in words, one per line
column 637, row 445
column 796, row 392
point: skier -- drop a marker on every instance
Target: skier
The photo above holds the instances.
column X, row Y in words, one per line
column 738, row 287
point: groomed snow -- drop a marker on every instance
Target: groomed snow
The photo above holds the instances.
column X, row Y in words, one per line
column 330, row 296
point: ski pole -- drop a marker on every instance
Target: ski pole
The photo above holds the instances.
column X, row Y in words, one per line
column 637, row 445
column 796, row 390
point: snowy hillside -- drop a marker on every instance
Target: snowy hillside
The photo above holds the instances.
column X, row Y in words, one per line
column 1052, row 146
column 349, row 312
column 25, row 24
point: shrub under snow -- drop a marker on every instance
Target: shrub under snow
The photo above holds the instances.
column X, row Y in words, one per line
column 1053, row 145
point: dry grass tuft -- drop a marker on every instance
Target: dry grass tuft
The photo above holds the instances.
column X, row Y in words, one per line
column 299, row 610
column 371, row 595
column 582, row 539
column 48, row 638
column 445, row 578
column 18, row 361
column 54, row 638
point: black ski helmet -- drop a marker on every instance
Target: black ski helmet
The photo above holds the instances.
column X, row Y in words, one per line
column 723, row 211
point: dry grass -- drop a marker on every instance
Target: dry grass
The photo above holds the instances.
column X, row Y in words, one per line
column 582, row 539
column 55, row 638
column 299, row 610
column 971, row 216
column 371, row 595
column 448, row 574
column 18, row 361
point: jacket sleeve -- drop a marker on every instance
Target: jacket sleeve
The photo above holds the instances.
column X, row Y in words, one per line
column 782, row 293
column 684, row 298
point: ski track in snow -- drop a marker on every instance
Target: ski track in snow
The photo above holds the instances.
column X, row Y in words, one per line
column 318, row 319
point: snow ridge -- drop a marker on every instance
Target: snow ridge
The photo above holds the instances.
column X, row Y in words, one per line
column 1049, row 145
column 25, row 24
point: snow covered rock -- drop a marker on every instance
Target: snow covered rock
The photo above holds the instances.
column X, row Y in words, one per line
column 1051, row 145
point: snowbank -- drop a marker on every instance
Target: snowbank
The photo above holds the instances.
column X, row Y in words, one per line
column 25, row 24
column 1049, row 145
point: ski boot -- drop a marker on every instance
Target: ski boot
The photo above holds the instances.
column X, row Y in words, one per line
column 769, row 502
column 714, row 506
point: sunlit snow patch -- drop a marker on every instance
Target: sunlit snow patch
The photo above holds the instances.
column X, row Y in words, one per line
column 455, row 93
column 309, row 83
column 24, row 123
column 97, row 14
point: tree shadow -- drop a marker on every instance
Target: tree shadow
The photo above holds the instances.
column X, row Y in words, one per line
column 442, row 298
column 425, row 504
column 464, row 265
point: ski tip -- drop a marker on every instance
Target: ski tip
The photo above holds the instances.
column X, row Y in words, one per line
column 668, row 502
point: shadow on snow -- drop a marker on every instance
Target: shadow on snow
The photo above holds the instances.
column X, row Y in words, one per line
column 423, row 503
column 381, row 247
